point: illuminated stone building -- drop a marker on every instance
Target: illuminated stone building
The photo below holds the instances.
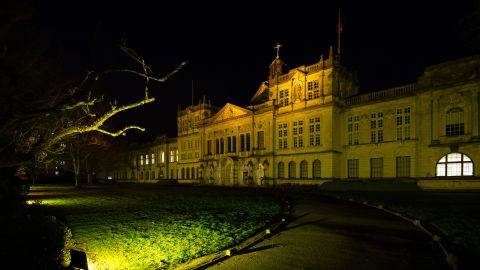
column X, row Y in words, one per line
column 310, row 124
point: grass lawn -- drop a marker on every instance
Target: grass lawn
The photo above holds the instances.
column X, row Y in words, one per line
column 151, row 226
column 456, row 214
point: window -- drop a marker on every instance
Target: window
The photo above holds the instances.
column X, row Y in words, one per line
column 403, row 123
column 455, row 164
column 352, row 165
column 303, row 169
column 292, row 170
column 352, row 129
column 376, row 167
column 403, row 166
column 234, row 144
column 242, row 142
column 283, row 98
column 282, row 136
column 298, row 133
column 141, row 160
column 229, row 144
column 312, row 90
column 314, row 131
column 183, row 173
column 247, row 145
column 454, row 122
column 153, row 158
column 316, row 92
column 222, row 146
column 261, row 139
column 217, row 146
column 281, row 170
column 172, row 155
column 376, row 127
column 209, row 147
column 316, row 169
column 146, row 159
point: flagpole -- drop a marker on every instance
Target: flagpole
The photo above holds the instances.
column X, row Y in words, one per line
column 339, row 31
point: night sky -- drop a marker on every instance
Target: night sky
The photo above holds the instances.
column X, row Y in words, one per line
column 229, row 46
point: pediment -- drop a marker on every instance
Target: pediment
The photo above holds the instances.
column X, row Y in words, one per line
column 230, row 111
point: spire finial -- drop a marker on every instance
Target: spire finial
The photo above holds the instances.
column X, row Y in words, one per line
column 277, row 47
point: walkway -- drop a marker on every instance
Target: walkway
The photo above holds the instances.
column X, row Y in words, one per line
column 325, row 233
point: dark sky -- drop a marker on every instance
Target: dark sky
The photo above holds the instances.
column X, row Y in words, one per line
column 229, row 46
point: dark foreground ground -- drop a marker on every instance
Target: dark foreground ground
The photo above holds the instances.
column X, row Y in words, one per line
column 326, row 233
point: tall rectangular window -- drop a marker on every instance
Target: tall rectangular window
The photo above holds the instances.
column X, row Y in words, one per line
column 283, row 98
column 310, row 90
column 316, row 91
column 141, row 159
column 352, row 129
column 282, row 136
column 261, row 139
column 217, row 146
column 229, row 144
column 376, row 167
column 352, row 165
column 314, row 131
column 234, row 144
column 403, row 123
column 222, row 146
column 247, row 144
column 376, row 127
column 242, row 142
column 297, row 133
column 162, row 157
column 403, row 166
column 209, row 147
column 172, row 155
column 153, row 158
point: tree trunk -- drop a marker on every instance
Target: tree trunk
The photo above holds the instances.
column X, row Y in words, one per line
column 75, row 154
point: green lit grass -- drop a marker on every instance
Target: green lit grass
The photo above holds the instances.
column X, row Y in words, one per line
column 152, row 227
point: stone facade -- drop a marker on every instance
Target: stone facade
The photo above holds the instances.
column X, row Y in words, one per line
column 310, row 124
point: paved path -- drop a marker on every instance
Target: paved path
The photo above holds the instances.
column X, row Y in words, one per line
column 325, row 233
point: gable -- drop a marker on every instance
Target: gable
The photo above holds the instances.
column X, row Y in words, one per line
column 230, row 111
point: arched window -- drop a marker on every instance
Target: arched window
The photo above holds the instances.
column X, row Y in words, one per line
column 188, row 173
column 291, row 170
column 316, row 169
column 141, row 175
column 304, row 169
column 183, row 173
column 193, row 173
column 281, row 170
column 454, row 122
column 455, row 164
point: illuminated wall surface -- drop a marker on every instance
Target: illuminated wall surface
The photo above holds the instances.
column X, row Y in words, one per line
column 310, row 123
